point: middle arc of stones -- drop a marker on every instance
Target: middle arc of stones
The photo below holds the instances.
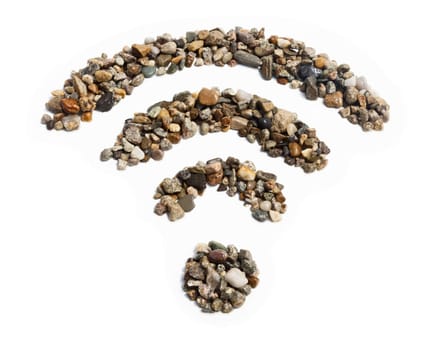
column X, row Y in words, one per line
column 148, row 135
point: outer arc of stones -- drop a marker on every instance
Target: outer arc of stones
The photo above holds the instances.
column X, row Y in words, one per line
column 105, row 81
column 279, row 133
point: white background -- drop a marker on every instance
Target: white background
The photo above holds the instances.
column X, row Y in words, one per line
column 85, row 264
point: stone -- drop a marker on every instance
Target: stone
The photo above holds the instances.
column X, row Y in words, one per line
column 275, row 216
column 187, row 203
column 149, row 71
column 171, row 186
column 350, row 82
column 216, row 245
column 320, row 62
column 54, row 104
column 238, row 123
column 121, row 164
column 45, row 119
column 294, row 149
column 163, row 60
column 174, row 211
column 208, row 97
column 246, row 173
column 196, row 271
column 213, row 167
column 141, row 50
column 311, row 88
column 247, row 59
column 217, row 305
column 362, row 84
column 173, row 127
column 137, row 153
column 236, row 278
column 71, row 122
column 198, row 181
column 217, row 256
column 195, row 45
column 266, row 68
column 307, row 70
column 106, row 154
column 264, row 123
column 133, row 135
column 168, row 48
column 253, row 281
column 350, row 95
column 282, row 119
column 334, row 100
column 266, row 205
column 102, row 76
column 283, row 43
column 259, row 215
column 105, row 102
column 214, row 38
column 79, row 86
column 243, row 96
column 237, row 299
column 70, row 106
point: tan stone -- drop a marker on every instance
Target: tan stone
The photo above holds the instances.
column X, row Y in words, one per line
column 334, row 100
column 208, row 97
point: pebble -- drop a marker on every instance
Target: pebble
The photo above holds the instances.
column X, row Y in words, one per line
column 70, row 105
column 171, row 186
column 174, row 211
column 246, row 173
column 149, row 71
column 334, row 100
column 247, row 59
column 311, row 88
column 195, row 45
column 236, row 278
column 141, row 50
column 217, row 256
column 243, row 96
column 294, row 149
column 79, row 86
column 168, row 48
column 238, row 123
column 266, row 68
column 186, row 202
column 71, row 122
column 102, row 76
column 137, row 153
column 274, row 215
column 106, row 102
column 208, row 97
column 350, row 82
column 266, row 205
column 283, row 43
column 106, row 154
column 351, row 95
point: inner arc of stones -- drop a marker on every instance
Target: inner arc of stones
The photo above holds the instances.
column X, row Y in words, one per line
column 257, row 189
column 279, row 133
column 105, row 80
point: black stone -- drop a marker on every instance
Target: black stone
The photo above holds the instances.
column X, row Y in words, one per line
column 307, row 70
column 264, row 123
column 105, row 103
column 198, row 181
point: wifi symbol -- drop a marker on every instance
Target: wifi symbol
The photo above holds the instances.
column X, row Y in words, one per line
column 105, row 81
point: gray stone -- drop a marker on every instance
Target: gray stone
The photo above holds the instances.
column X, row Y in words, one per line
column 186, row 202
column 247, row 59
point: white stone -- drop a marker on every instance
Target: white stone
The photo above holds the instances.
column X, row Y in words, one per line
column 282, row 119
column 121, row 164
column 265, row 205
column 243, row 96
column 174, row 127
column 169, row 48
column 283, row 43
column 350, row 81
column 236, row 278
column 127, row 146
column 307, row 153
column 137, row 153
column 362, row 84
column 274, row 215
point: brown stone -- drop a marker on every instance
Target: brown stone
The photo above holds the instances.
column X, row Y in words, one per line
column 103, row 75
column 295, row 149
column 215, row 178
column 141, row 50
column 362, row 100
column 282, row 81
column 320, row 62
column 253, row 281
column 217, row 256
column 195, row 45
column 87, row 117
column 70, row 105
column 174, row 137
column 208, row 97
column 334, row 100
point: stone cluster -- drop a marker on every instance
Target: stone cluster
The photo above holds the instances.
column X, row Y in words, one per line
column 148, row 135
column 257, row 189
column 219, row 278
column 107, row 80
